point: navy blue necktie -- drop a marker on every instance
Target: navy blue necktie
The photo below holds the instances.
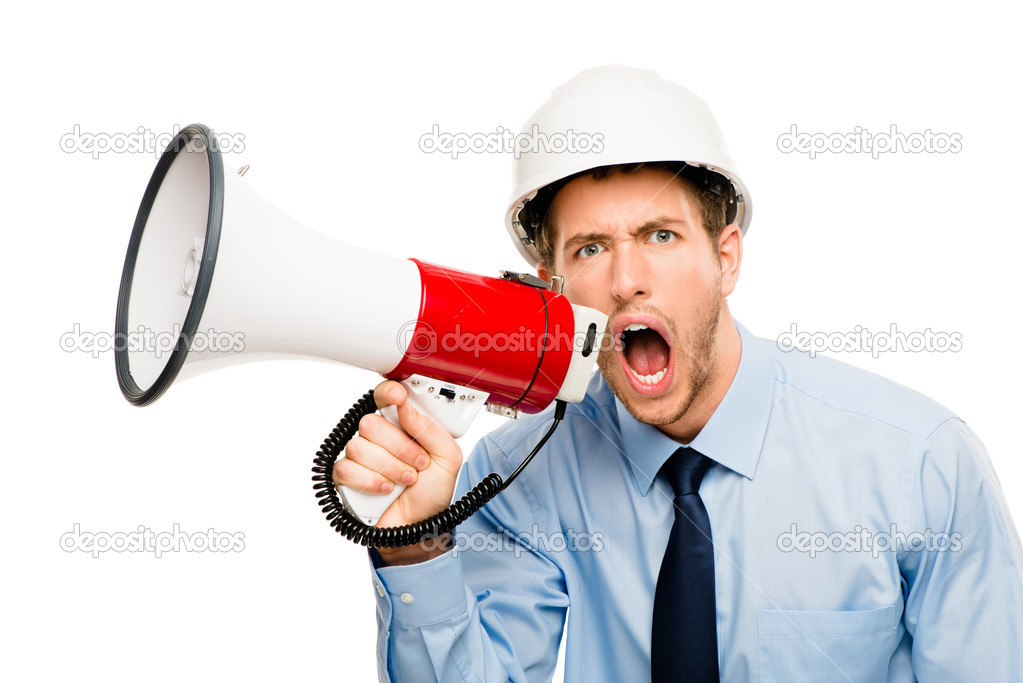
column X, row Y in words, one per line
column 684, row 638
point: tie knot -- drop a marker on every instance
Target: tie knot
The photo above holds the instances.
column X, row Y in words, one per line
column 685, row 470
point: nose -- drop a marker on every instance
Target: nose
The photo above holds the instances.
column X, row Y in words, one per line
column 629, row 277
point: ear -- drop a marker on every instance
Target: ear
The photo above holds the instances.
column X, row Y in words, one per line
column 730, row 255
column 543, row 272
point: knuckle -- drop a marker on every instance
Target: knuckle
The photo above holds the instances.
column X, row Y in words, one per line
column 355, row 447
column 341, row 471
column 368, row 423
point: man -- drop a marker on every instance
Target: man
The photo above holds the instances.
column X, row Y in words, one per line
column 716, row 508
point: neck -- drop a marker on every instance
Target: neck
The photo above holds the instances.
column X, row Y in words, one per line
column 724, row 365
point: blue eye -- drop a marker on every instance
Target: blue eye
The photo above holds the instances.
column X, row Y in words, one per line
column 661, row 236
column 589, row 250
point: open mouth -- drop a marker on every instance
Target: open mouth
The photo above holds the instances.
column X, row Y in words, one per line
column 646, row 357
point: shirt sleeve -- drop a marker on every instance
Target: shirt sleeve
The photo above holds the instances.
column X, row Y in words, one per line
column 962, row 574
column 491, row 609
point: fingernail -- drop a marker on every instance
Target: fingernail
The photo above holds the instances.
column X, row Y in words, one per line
column 408, row 478
column 421, row 462
column 387, row 487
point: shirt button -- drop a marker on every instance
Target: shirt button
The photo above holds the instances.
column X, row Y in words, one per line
column 380, row 590
column 407, row 598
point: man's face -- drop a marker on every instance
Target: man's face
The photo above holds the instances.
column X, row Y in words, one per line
column 633, row 246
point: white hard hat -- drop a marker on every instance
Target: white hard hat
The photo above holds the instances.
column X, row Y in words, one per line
column 617, row 115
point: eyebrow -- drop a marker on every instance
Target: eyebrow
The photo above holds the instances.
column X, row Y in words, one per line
column 651, row 225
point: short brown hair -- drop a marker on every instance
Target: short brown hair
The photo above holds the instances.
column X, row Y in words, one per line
column 703, row 187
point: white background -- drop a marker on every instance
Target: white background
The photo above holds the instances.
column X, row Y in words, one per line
column 331, row 103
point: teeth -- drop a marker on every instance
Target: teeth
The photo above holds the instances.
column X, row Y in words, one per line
column 634, row 327
column 649, row 379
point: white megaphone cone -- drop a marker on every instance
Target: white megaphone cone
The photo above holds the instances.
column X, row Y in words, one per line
column 242, row 280
column 215, row 275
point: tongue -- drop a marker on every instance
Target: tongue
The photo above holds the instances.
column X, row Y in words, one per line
column 646, row 352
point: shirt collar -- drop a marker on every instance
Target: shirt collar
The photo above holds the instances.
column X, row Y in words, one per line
column 734, row 434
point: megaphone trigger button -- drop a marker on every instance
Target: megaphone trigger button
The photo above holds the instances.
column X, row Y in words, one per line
column 591, row 336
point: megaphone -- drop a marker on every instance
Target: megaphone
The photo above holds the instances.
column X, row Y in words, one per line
column 214, row 275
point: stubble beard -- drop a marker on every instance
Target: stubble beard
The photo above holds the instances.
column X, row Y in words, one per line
column 697, row 353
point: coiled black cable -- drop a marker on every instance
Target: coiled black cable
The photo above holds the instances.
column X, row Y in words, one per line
column 352, row 528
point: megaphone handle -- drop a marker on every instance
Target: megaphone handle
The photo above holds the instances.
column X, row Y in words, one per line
column 452, row 406
column 369, row 507
column 344, row 522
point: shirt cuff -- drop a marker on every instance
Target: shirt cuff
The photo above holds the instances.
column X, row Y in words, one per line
column 422, row 594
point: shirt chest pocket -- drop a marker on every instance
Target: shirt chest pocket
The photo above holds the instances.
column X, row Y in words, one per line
column 819, row 646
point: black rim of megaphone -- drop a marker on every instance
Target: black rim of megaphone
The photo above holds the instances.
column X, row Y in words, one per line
column 214, row 219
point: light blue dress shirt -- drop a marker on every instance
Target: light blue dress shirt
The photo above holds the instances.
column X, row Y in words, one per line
column 860, row 535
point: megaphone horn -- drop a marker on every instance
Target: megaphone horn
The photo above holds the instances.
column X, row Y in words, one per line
column 209, row 257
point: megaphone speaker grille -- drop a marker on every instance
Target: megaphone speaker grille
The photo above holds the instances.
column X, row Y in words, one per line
column 162, row 296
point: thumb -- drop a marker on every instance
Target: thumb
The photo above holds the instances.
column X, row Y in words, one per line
column 389, row 393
